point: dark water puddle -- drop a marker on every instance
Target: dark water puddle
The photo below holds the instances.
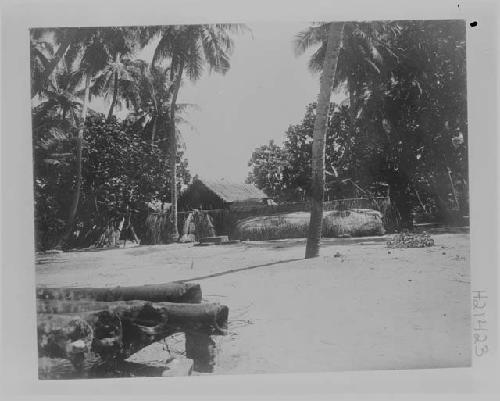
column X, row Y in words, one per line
column 200, row 347
column 202, row 350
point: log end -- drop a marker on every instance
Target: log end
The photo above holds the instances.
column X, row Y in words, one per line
column 221, row 318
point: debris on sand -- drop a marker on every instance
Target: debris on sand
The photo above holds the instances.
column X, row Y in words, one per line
column 408, row 240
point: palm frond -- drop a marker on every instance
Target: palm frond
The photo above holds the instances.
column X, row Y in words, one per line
column 316, row 61
column 313, row 36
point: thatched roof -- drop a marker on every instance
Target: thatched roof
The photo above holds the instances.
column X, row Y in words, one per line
column 234, row 192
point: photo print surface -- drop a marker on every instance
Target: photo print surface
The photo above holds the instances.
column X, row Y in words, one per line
column 250, row 198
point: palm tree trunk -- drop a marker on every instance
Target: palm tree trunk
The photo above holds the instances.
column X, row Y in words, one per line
column 79, row 146
column 453, row 191
column 115, row 90
column 153, row 131
column 400, row 197
column 319, row 136
column 173, row 153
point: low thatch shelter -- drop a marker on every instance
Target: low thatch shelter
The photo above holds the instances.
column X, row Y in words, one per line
column 344, row 223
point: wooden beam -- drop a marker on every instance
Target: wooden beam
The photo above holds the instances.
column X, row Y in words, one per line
column 170, row 292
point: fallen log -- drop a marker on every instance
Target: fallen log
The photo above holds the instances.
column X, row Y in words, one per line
column 169, row 292
column 116, row 330
column 204, row 317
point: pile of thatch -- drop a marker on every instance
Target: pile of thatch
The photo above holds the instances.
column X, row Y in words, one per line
column 197, row 225
column 347, row 223
column 409, row 240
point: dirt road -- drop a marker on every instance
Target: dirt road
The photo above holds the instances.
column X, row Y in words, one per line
column 359, row 305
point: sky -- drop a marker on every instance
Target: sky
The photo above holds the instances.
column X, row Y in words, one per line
column 266, row 90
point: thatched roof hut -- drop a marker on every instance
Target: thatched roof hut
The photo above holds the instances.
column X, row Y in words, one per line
column 212, row 194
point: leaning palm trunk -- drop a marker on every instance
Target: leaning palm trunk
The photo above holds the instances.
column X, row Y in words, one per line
column 319, row 135
column 115, row 90
column 153, row 132
column 173, row 153
column 79, row 146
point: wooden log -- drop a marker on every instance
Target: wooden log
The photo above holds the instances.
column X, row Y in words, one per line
column 169, row 292
column 204, row 317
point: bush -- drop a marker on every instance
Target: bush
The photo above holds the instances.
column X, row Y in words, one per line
column 121, row 172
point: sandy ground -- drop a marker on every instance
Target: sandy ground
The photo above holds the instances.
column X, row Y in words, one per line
column 359, row 305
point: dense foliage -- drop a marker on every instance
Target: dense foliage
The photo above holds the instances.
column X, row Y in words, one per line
column 92, row 170
column 405, row 126
column 122, row 173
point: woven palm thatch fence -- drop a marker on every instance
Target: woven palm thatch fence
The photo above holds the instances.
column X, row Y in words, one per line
column 158, row 228
column 197, row 225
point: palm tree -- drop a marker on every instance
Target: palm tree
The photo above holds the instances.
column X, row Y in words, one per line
column 188, row 49
column 93, row 58
column 152, row 103
column 331, row 54
column 92, row 50
column 55, row 119
column 366, row 56
column 59, row 100
column 41, row 52
column 119, row 77
column 119, row 81
column 68, row 41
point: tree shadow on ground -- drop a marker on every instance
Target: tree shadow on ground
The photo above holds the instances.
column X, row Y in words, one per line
column 238, row 270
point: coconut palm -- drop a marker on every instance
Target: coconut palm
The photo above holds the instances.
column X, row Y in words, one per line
column 118, row 81
column 93, row 58
column 41, row 52
column 60, row 99
column 118, row 78
column 151, row 105
column 90, row 51
column 366, row 55
column 68, row 42
column 55, row 119
column 189, row 49
column 331, row 53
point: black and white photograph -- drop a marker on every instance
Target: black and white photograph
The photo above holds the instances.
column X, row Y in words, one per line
column 223, row 199
column 250, row 198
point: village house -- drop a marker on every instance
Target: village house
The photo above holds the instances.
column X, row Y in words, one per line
column 224, row 201
column 222, row 194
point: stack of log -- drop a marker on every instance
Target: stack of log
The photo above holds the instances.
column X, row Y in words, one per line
column 99, row 328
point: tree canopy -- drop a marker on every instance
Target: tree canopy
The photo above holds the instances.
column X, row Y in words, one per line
column 404, row 124
column 98, row 168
